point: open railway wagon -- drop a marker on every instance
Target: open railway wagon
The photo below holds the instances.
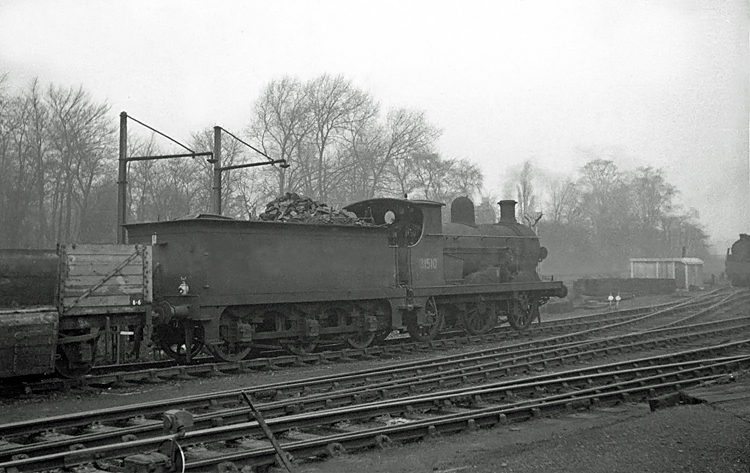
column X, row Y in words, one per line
column 65, row 307
column 230, row 286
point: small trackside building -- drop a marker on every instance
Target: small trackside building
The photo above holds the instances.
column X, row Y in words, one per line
column 687, row 272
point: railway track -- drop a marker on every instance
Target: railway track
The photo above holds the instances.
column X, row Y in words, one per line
column 378, row 424
column 312, row 406
column 154, row 372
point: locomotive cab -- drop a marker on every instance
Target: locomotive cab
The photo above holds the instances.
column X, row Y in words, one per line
column 405, row 219
column 414, row 228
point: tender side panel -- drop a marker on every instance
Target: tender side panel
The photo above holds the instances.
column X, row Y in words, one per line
column 245, row 263
column 105, row 279
column 27, row 342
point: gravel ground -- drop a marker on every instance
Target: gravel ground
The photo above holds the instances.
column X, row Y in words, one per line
column 628, row 438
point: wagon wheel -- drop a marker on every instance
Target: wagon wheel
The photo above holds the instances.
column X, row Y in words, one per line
column 476, row 323
column 432, row 326
column 231, row 348
column 171, row 339
column 523, row 311
column 70, row 364
column 70, row 369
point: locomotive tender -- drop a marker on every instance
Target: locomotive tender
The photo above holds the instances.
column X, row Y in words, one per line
column 231, row 286
column 738, row 262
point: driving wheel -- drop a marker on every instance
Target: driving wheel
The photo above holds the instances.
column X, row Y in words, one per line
column 522, row 312
column 478, row 323
column 433, row 322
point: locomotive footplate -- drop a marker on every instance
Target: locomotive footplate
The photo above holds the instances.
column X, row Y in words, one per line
column 541, row 288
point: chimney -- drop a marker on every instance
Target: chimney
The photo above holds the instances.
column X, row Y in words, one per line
column 507, row 211
column 684, row 251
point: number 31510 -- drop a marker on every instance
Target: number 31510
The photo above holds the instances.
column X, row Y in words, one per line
column 428, row 263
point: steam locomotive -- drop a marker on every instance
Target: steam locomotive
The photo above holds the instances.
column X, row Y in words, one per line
column 738, row 262
column 229, row 286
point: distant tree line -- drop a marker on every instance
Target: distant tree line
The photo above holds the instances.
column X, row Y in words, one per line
column 59, row 149
column 341, row 148
column 597, row 220
column 56, row 156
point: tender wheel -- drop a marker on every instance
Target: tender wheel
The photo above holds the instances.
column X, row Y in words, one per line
column 522, row 312
column 301, row 347
column 354, row 318
column 171, row 339
column 432, row 326
column 476, row 323
column 286, row 322
column 231, row 347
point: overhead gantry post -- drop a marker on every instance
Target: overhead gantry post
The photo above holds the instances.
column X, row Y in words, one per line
column 218, row 168
column 122, row 170
column 122, row 179
column 213, row 157
column 216, row 194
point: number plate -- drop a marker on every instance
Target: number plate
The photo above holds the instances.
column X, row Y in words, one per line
column 136, row 300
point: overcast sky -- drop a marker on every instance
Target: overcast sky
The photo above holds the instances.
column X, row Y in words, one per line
column 646, row 82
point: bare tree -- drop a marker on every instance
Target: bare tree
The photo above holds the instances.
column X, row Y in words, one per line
column 563, row 202
column 39, row 129
column 652, row 196
column 329, row 132
column 467, row 178
column 82, row 136
column 379, row 152
column 603, row 189
column 404, row 174
column 333, row 103
column 434, row 177
column 16, row 183
column 280, row 124
column 140, row 176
